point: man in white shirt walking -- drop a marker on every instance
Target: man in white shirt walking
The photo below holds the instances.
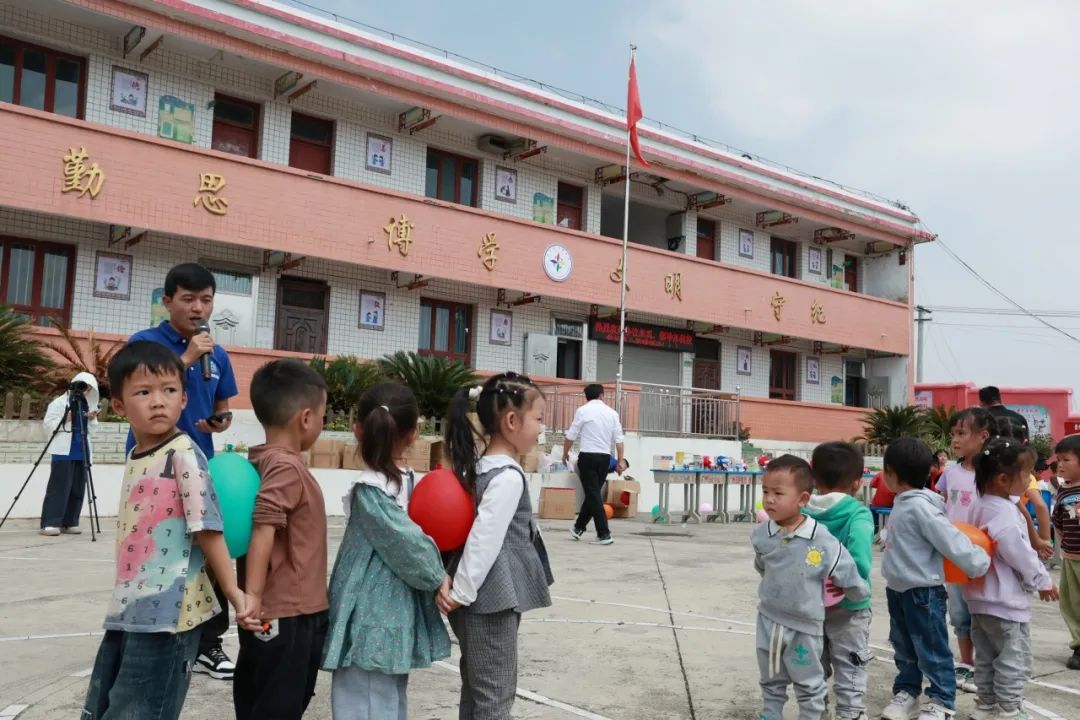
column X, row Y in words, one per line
column 597, row 427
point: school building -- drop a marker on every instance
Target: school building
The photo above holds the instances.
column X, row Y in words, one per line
column 355, row 194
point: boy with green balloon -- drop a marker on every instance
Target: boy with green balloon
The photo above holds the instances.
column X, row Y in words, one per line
column 169, row 533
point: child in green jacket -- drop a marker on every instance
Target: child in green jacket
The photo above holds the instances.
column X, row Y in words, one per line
column 838, row 470
column 383, row 618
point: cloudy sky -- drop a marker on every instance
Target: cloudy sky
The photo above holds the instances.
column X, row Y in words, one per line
column 965, row 111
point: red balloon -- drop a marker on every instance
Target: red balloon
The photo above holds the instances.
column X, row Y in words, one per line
column 443, row 508
column 955, row 575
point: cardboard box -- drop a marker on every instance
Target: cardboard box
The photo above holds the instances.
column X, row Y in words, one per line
column 425, row 454
column 557, row 503
column 326, row 454
column 530, row 461
column 622, row 495
column 350, row 458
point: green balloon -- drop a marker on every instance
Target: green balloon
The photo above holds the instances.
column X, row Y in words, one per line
column 655, row 509
column 236, row 483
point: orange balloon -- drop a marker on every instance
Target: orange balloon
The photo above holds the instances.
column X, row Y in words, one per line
column 953, row 574
column 609, row 511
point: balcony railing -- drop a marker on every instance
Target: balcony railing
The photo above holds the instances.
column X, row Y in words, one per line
column 651, row 409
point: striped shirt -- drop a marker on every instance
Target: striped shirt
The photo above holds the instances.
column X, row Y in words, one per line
column 1066, row 522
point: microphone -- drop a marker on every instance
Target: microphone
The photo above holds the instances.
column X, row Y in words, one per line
column 204, row 361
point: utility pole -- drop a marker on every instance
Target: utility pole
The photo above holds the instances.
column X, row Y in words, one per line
column 923, row 316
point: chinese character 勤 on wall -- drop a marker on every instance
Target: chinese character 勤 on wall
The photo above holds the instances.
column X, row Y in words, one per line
column 79, row 176
column 399, row 235
column 209, row 187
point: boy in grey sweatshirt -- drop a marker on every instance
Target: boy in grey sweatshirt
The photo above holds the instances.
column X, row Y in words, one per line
column 919, row 537
column 795, row 554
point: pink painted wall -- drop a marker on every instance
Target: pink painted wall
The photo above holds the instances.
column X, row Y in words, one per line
column 1057, row 401
column 151, row 183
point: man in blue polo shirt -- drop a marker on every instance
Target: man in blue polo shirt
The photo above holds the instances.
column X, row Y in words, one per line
column 189, row 298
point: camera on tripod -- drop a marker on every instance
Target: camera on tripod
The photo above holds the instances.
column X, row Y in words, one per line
column 78, row 387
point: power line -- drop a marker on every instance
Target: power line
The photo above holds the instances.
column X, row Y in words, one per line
column 997, row 327
column 1002, row 295
column 953, row 309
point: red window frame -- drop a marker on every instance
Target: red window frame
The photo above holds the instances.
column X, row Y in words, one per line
column 51, row 56
column 39, row 315
column 297, row 143
column 706, row 236
column 568, row 208
column 450, row 354
column 851, row 273
column 783, row 254
column 256, row 109
column 460, row 163
column 783, row 374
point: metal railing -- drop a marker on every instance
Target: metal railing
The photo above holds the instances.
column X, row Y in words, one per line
column 651, row 409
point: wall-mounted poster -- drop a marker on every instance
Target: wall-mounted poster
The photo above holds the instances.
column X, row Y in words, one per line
column 380, row 153
column 543, row 208
column 158, row 311
column 813, row 370
column 838, row 389
column 814, row 260
column 743, row 360
column 112, row 276
column 372, row 310
column 505, row 184
column 176, row 119
column 502, row 328
column 746, row 244
column 129, row 91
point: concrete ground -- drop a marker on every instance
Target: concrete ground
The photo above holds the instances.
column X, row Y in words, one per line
column 658, row 625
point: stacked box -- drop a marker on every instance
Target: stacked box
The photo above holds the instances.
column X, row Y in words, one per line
column 425, row 454
column 622, row 495
column 350, row 458
column 326, row 454
column 557, row 503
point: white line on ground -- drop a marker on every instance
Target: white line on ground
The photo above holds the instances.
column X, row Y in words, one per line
column 12, row 711
column 651, row 609
column 618, row 623
column 1052, row 686
column 537, row 698
column 83, row 673
column 50, row 560
column 13, row 638
column 1048, row 714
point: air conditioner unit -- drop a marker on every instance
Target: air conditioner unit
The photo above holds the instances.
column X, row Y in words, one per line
column 541, row 355
column 494, row 144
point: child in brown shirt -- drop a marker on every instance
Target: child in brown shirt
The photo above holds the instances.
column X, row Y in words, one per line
column 284, row 573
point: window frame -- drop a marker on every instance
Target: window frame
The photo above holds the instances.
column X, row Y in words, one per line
column 256, row 123
column 580, row 339
column 448, row 354
column 328, row 145
column 578, row 208
column 789, row 251
column 460, row 161
column 51, row 57
column 35, row 310
column 779, row 392
column 711, row 226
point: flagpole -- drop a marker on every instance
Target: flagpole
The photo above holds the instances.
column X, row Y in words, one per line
column 625, row 241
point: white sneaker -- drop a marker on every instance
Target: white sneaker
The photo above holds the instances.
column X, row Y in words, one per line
column 860, row 716
column 904, row 706
column 603, row 541
column 983, row 711
column 576, row 534
column 71, row 530
column 49, row 531
column 1002, row 714
column 965, row 678
column 933, row 711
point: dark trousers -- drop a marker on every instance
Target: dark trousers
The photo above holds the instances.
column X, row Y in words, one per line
column 275, row 678
column 920, row 639
column 64, row 494
column 593, row 471
column 140, row 675
column 215, row 627
column 489, row 663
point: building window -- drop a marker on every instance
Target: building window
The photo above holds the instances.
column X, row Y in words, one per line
column 452, row 178
column 783, row 257
column 706, row 239
column 311, row 144
column 782, row 366
column 851, row 273
column 236, row 126
column 37, row 279
column 854, row 383
column 42, row 79
column 445, row 330
column 568, row 357
column 571, row 210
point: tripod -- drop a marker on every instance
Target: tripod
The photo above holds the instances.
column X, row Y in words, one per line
column 77, row 410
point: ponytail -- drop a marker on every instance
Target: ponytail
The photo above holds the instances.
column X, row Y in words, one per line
column 461, row 437
column 388, row 414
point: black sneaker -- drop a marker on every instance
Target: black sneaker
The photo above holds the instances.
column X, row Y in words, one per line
column 215, row 663
column 1073, row 663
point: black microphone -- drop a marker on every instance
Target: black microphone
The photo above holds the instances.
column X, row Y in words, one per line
column 204, row 361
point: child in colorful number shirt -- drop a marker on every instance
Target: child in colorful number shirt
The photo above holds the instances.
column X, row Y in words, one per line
column 1001, row 604
column 383, row 618
column 795, row 555
column 970, row 430
column 838, row 470
column 169, row 530
column 920, row 536
column 1067, row 524
column 283, row 574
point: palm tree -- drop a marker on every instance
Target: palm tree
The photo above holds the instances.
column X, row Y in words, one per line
column 432, row 379
column 92, row 357
column 346, row 378
column 23, row 360
column 939, row 422
column 883, row 425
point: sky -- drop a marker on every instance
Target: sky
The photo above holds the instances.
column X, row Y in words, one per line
column 965, row 111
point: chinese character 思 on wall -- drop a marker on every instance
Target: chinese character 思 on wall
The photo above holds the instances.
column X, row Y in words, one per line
column 209, row 187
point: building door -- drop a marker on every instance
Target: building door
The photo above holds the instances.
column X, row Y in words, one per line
column 311, row 141
column 782, row 374
column 854, row 383
column 302, row 312
column 706, row 239
column 236, row 126
column 571, row 207
column 706, row 407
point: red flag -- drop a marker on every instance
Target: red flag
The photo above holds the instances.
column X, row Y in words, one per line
column 633, row 113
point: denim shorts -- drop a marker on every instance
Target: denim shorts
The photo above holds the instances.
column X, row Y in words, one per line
column 959, row 615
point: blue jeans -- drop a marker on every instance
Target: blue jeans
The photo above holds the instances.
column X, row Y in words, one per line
column 920, row 639
column 141, row 676
column 959, row 614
